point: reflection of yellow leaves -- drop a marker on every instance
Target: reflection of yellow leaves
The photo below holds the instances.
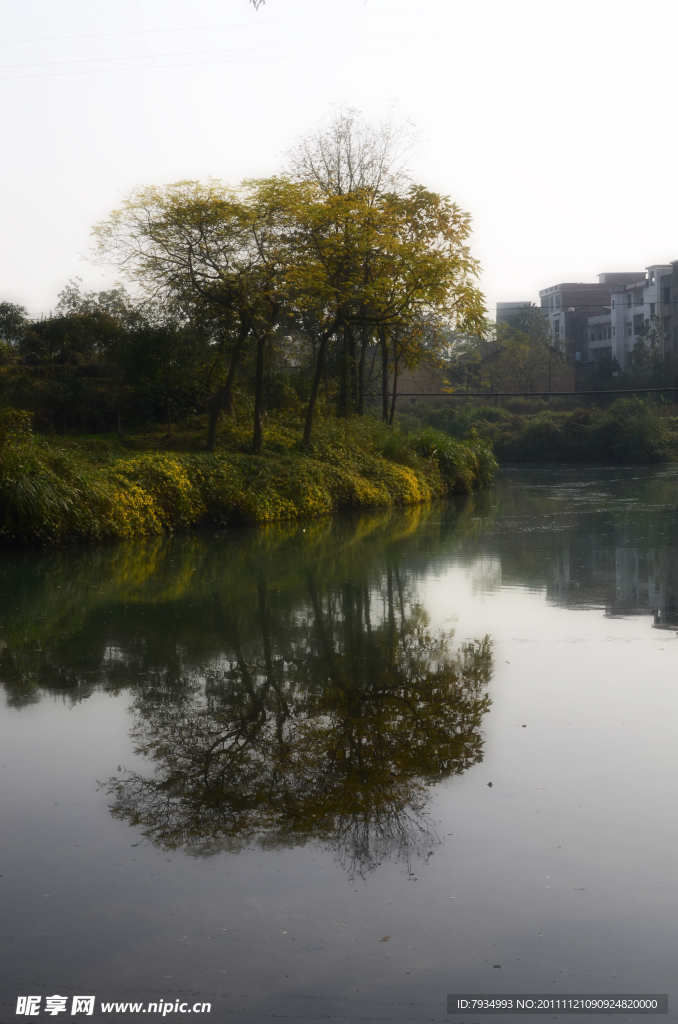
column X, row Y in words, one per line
column 338, row 744
column 72, row 587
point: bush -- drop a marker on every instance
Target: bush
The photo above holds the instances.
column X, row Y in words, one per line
column 631, row 430
column 15, row 424
column 634, row 431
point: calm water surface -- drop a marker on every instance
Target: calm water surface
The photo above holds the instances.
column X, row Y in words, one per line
column 336, row 770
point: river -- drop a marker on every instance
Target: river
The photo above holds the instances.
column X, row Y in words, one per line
column 336, row 770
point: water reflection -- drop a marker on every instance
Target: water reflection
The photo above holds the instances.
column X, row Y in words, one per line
column 287, row 686
column 329, row 730
column 603, row 538
column 286, row 683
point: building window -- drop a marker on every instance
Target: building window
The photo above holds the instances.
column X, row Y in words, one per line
column 613, row 331
column 629, row 299
column 652, row 307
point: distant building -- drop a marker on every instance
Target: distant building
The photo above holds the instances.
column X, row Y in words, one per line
column 590, row 320
column 507, row 309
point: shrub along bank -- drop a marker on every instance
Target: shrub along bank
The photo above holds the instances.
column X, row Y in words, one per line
column 56, row 494
column 631, row 430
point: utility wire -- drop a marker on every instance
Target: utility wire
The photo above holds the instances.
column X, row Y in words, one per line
column 250, row 24
column 525, row 394
column 232, row 49
column 281, row 56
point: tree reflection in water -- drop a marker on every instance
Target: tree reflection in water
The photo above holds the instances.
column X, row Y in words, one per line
column 329, row 728
column 286, row 685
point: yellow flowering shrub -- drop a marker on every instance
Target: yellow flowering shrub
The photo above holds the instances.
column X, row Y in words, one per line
column 53, row 495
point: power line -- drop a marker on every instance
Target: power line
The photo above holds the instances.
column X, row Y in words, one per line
column 233, row 49
column 526, row 394
column 239, row 60
column 249, row 24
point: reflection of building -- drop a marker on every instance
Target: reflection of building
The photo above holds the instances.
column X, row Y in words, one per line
column 588, row 545
column 637, row 589
column 619, row 574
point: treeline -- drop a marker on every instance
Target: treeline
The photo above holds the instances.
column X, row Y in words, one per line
column 518, row 355
column 99, row 361
column 312, row 289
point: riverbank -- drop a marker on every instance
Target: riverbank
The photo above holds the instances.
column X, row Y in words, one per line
column 97, row 489
column 630, row 430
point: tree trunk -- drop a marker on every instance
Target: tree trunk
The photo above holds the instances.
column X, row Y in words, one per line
column 223, row 397
column 352, row 372
column 395, row 389
column 317, row 377
column 342, row 406
column 169, row 418
column 259, row 394
column 214, row 406
column 550, row 354
column 384, row 374
column 364, row 336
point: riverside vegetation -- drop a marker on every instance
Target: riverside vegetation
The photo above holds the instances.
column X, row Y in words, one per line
column 631, row 430
column 97, row 489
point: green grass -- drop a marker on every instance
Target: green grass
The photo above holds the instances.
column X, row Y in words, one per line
column 99, row 488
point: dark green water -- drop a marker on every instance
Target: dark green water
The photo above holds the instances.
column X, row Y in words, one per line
column 253, row 768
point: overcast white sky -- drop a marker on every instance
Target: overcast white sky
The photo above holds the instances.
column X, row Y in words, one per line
column 552, row 122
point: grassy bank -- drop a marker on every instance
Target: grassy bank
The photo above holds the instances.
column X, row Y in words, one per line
column 630, row 430
column 101, row 489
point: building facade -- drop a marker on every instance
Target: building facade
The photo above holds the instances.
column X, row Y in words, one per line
column 591, row 320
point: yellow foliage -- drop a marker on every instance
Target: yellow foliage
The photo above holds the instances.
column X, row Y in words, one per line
column 54, row 495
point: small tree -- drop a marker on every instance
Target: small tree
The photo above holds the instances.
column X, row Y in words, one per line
column 14, row 323
column 645, row 362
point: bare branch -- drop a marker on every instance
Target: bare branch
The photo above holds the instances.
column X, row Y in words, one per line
column 347, row 153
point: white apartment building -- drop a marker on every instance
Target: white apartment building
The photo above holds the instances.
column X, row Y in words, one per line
column 589, row 320
column 616, row 331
